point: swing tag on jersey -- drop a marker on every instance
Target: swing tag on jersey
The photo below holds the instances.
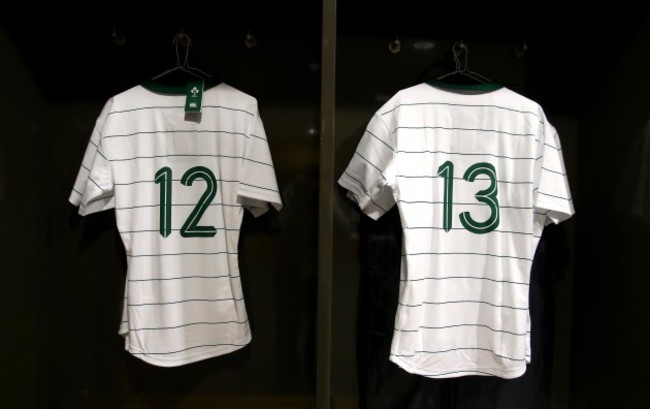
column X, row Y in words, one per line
column 193, row 96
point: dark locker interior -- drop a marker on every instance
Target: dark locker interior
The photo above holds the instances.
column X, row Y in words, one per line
column 319, row 71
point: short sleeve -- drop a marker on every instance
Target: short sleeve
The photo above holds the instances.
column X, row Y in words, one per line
column 258, row 185
column 553, row 194
column 367, row 175
column 93, row 189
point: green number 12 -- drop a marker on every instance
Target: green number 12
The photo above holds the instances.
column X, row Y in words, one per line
column 191, row 226
column 487, row 196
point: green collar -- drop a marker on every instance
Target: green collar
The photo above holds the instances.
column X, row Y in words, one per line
column 466, row 88
column 176, row 89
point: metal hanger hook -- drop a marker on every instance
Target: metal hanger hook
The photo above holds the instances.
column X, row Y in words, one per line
column 460, row 49
column 183, row 40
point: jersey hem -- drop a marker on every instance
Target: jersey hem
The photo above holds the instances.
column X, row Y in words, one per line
column 463, row 371
column 173, row 362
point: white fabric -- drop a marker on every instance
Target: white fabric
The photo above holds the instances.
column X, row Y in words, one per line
column 183, row 298
column 463, row 306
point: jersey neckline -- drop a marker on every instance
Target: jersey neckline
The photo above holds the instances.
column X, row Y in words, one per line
column 466, row 89
column 174, row 89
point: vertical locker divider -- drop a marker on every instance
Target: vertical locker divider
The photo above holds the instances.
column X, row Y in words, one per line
column 325, row 210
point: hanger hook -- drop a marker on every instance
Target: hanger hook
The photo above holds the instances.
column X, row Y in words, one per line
column 460, row 49
column 456, row 53
column 183, row 40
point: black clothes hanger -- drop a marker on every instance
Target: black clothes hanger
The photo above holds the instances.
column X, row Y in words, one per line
column 462, row 78
column 462, row 73
column 175, row 80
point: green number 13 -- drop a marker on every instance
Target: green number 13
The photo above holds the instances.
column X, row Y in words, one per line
column 191, row 226
column 487, row 196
